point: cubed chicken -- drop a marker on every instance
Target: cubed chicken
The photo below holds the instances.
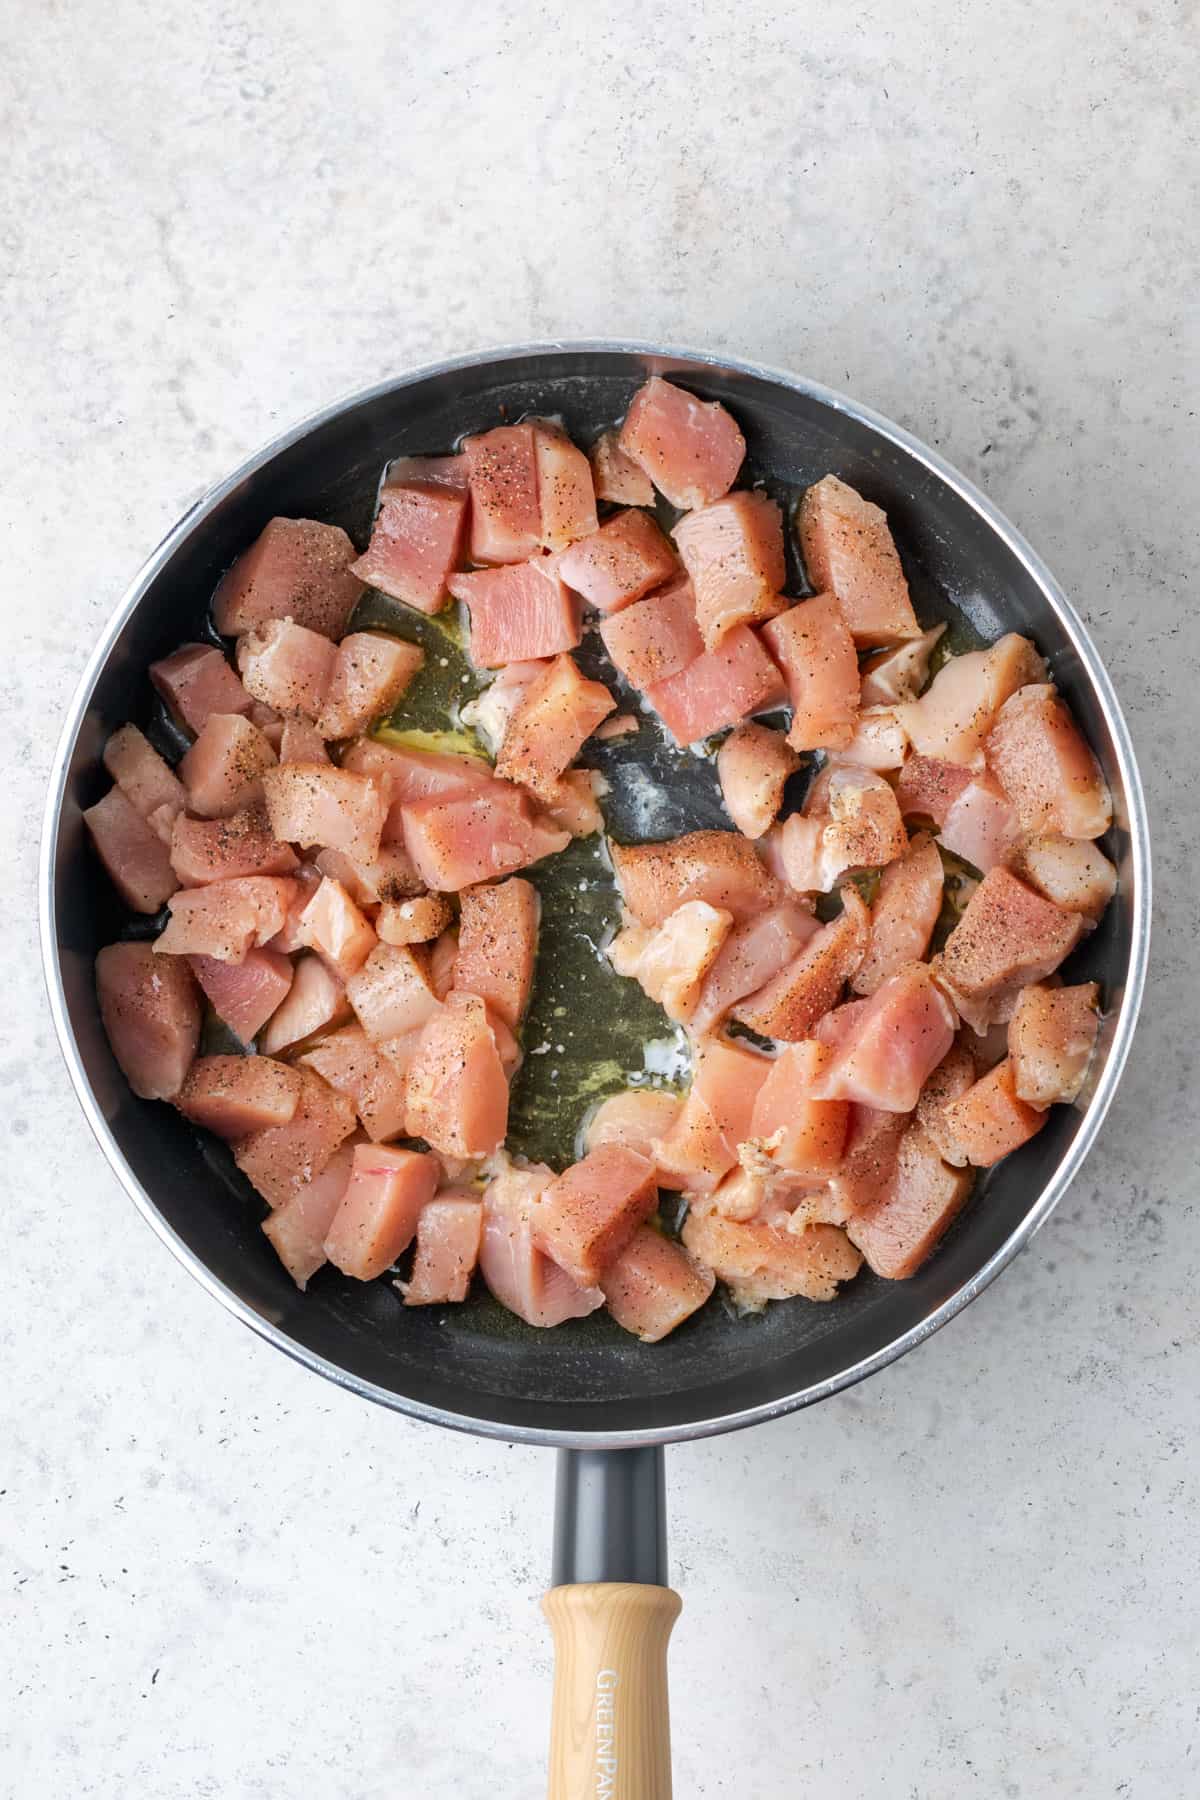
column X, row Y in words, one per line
column 506, row 519
column 195, row 681
column 151, row 1011
column 281, row 1160
column 521, row 1276
column 981, row 825
column 1046, row 767
column 1007, row 937
column 899, row 1037
column 572, row 803
column 788, row 1006
column 1070, row 871
column 655, row 637
column 691, row 449
column 149, row 784
column 899, row 674
column 245, row 995
column 332, row 925
column 869, row 1162
column 226, row 918
column 796, row 1129
column 622, row 560
column 654, row 1285
column 391, row 993
column 371, row 670
column 812, row 646
column 456, row 843
column 314, row 803
column 556, row 715
column 763, row 1261
column 497, row 946
column 300, row 741
column 900, row 1230
column 752, row 954
column 954, row 715
column 135, row 858
column 718, row 688
column 616, row 477
column 587, row 1215
column 988, row 1121
column 862, row 826
column 295, row 569
column 449, row 1232
column 391, row 877
column 927, row 788
column 235, row 1095
column 377, row 1218
column 849, row 552
column 671, row 960
column 518, row 613
column 566, row 497
column 702, row 1144
column 315, row 1002
column 733, row 552
column 287, row 667
column 635, row 1118
column 879, row 742
column 717, row 866
column 415, row 921
column 1051, row 1037
column 753, row 765
column 457, row 1088
column 957, row 1071
column 903, row 915
column 375, row 1082
column 417, row 539
column 223, row 770
column 207, row 850
column 296, row 1230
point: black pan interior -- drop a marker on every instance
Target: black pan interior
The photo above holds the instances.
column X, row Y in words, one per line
column 476, row 1361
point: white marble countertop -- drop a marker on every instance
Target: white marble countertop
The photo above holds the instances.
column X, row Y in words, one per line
column 976, row 1574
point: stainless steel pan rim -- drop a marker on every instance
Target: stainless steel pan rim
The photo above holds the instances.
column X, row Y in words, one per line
column 1136, row 824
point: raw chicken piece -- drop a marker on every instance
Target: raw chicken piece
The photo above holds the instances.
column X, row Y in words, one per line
column 1007, row 937
column 406, row 775
column 635, row 1118
column 1046, row 767
column 300, row 741
column 489, row 713
column 244, row 995
column 987, row 1121
column 370, row 672
column 449, row 1232
column 226, row 918
column 872, row 1145
column 296, row 1230
column 900, row 673
column 813, row 647
column 654, row 1285
column 151, row 1013
column 753, row 954
column 566, row 497
column 799, row 1131
column 691, row 449
column 147, row 782
column 980, row 825
column 222, row 771
column 497, row 946
column 671, row 961
column 717, row 866
column 377, row 1217
column 295, row 569
column 391, row 877
column 195, row 680
column 929, row 787
column 1051, row 1038
column 656, row 637
column 456, row 843
column 557, row 713
column 417, row 538
column 316, row 1002
column 135, row 858
column 287, row 667
column 280, row 1161
column 753, row 765
column 702, row 1144
column 765, row 1261
column 898, row 1038
column 332, row 925
column 506, row 518
column 788, row 1006
column 314, row 803
column 956, row 1072
column 849, row 552
column 718, row 688
column 206, row 850
column 376, row 1083
column 520, row 1276
column 904, row 914
column 457, row 1090
column 879, row 741
column 733, row 551
column 617, row 477
column 443, row 960
column 235, row 1095
column 1070, row 871
column 954, row 715
column 518, row 613
column 923, row 1198
column 620, row 562
column 416, row 921
column 587, row 1215
column 572, row 802
column 863, row 828
column 391, row 994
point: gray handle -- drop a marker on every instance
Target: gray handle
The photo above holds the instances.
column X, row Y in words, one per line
column 610, row 1517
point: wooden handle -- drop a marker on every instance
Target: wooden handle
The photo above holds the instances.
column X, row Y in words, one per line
column 609, row 1731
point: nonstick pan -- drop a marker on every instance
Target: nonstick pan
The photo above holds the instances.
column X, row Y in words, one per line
column 606, row 1401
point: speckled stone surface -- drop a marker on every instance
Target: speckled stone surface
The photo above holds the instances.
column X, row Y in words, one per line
column 976, row 1574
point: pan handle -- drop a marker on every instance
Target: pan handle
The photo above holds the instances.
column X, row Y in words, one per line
column 611, row 1613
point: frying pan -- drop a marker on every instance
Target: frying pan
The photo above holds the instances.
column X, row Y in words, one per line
column 606, row 1401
